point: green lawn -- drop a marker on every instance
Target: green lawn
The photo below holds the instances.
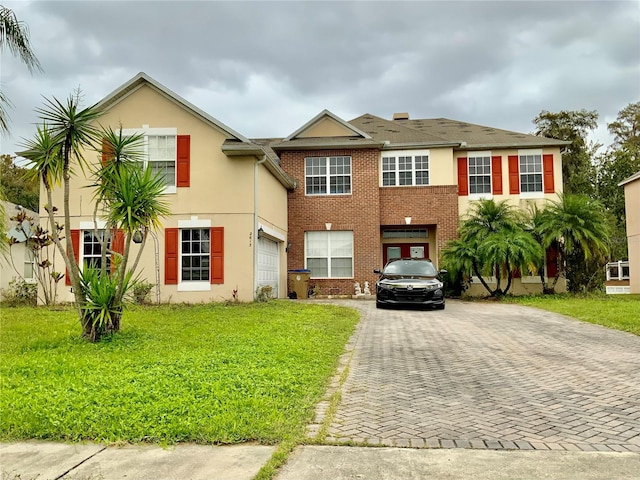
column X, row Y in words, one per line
column 203, row 373
column 621, row 312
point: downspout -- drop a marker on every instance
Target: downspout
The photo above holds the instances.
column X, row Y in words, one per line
column 256, row 168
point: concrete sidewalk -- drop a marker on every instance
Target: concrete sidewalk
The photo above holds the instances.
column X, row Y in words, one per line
column 57, row 461
column 53, row 461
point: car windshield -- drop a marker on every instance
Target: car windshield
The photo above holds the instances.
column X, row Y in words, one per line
column 410, row 267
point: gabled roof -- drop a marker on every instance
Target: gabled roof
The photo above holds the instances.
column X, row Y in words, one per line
column 395, row 134
column 478, row 136
column 635, row 176
column 141, row 79
column 322, row 115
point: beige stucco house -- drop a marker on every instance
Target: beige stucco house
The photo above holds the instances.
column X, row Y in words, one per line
column 632, row 206
column 227, row 231
column 336, row 197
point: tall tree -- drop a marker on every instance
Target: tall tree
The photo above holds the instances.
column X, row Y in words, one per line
column 619, row 162
column 17, row 185
column 14, row 35
column 578, row 226
column 577, row 161
column 130, row 197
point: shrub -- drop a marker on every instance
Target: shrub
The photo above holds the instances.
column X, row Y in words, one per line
column 263, row 294
column 20, row 293
column 141, row 292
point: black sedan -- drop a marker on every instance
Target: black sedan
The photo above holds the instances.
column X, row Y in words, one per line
column 409, row 282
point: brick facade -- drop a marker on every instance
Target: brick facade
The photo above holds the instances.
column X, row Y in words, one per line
column 364, row 212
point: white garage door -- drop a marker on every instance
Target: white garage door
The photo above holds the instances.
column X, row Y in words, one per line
column 268, row 264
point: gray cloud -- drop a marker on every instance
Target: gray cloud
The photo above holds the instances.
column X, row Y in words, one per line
column 265, row 68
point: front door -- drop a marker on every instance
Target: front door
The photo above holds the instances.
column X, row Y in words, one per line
column 405, row 250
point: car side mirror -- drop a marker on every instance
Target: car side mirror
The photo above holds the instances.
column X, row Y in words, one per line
column 443, row 272
column 377, row 270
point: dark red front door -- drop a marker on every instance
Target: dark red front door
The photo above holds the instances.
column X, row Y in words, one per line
column 404, row 250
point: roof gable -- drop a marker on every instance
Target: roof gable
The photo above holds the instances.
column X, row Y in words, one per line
column 327, row 124
column 142, row 79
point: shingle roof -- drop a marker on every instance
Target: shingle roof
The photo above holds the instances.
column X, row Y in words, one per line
column 396, row 133
column 477, row 136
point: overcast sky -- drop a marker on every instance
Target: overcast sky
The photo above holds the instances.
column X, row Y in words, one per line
column 266, row 68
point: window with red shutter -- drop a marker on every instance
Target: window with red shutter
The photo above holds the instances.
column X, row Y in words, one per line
column 547, row 169
column 183, row 162
column 514, row 175
column 463, row 176
column 496, row 174
column 171, row 256
column 217, row 255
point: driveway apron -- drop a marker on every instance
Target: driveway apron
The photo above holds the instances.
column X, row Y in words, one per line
column 489, row 376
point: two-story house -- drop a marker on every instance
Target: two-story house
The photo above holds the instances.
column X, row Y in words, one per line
column 373, row 189
column 338, row 198
column 227, row 195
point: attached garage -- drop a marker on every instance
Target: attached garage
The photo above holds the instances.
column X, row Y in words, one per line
column 269, row 264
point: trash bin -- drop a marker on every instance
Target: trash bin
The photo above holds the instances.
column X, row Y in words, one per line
column 299, row 282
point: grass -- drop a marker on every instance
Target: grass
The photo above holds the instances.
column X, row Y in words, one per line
column 620, row 312
column 213, row 374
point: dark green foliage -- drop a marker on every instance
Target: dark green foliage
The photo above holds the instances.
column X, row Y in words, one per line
column 18, row 186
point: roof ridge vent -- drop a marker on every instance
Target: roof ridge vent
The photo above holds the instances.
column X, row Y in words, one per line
column 401, row 116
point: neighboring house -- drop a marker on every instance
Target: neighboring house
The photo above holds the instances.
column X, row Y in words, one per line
column 373, row 189
column 338, row 198
column 632, row 201
column 18, row 261
column 228, row 198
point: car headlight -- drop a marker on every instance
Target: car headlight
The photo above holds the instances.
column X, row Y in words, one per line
column 384, row 286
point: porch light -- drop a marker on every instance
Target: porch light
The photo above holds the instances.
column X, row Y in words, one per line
column 407, row 220
column 327, row 226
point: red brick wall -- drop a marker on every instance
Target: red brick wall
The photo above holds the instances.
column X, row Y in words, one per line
column 436, row 205
column 368, row 207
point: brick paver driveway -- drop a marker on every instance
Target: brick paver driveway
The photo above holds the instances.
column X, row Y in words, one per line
column 483, row 375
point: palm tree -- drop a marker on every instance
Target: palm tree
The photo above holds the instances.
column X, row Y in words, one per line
column 507, row 250
column 15, row 36
column 579, row 226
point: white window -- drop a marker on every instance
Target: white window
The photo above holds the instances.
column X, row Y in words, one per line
column 327, row 175
column 329, row 254
column 161, row 157
column 29, row 264
column 530, row 171
column 405, row 168
column 160, row 152
column 195, row 254
column 479, row 173
column 92, row 249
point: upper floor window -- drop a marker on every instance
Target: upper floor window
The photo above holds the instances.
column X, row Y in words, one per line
column 327, row 175
column 405, row 168
column 530, row 172
column 161, row 157
column 479, row 173
column 161, row 153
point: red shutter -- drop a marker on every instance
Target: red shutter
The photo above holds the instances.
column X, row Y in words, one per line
column 171, row 256
column 514, row 175
column 107, row 151
column 552, row 262
column 117, row 246
column 496, row 174
column 547, row 169
column 183, row 162
column 75, row 242
column 217, row 255
column 463, row 176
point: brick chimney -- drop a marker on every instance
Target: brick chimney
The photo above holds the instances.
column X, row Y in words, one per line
column 401, row 116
